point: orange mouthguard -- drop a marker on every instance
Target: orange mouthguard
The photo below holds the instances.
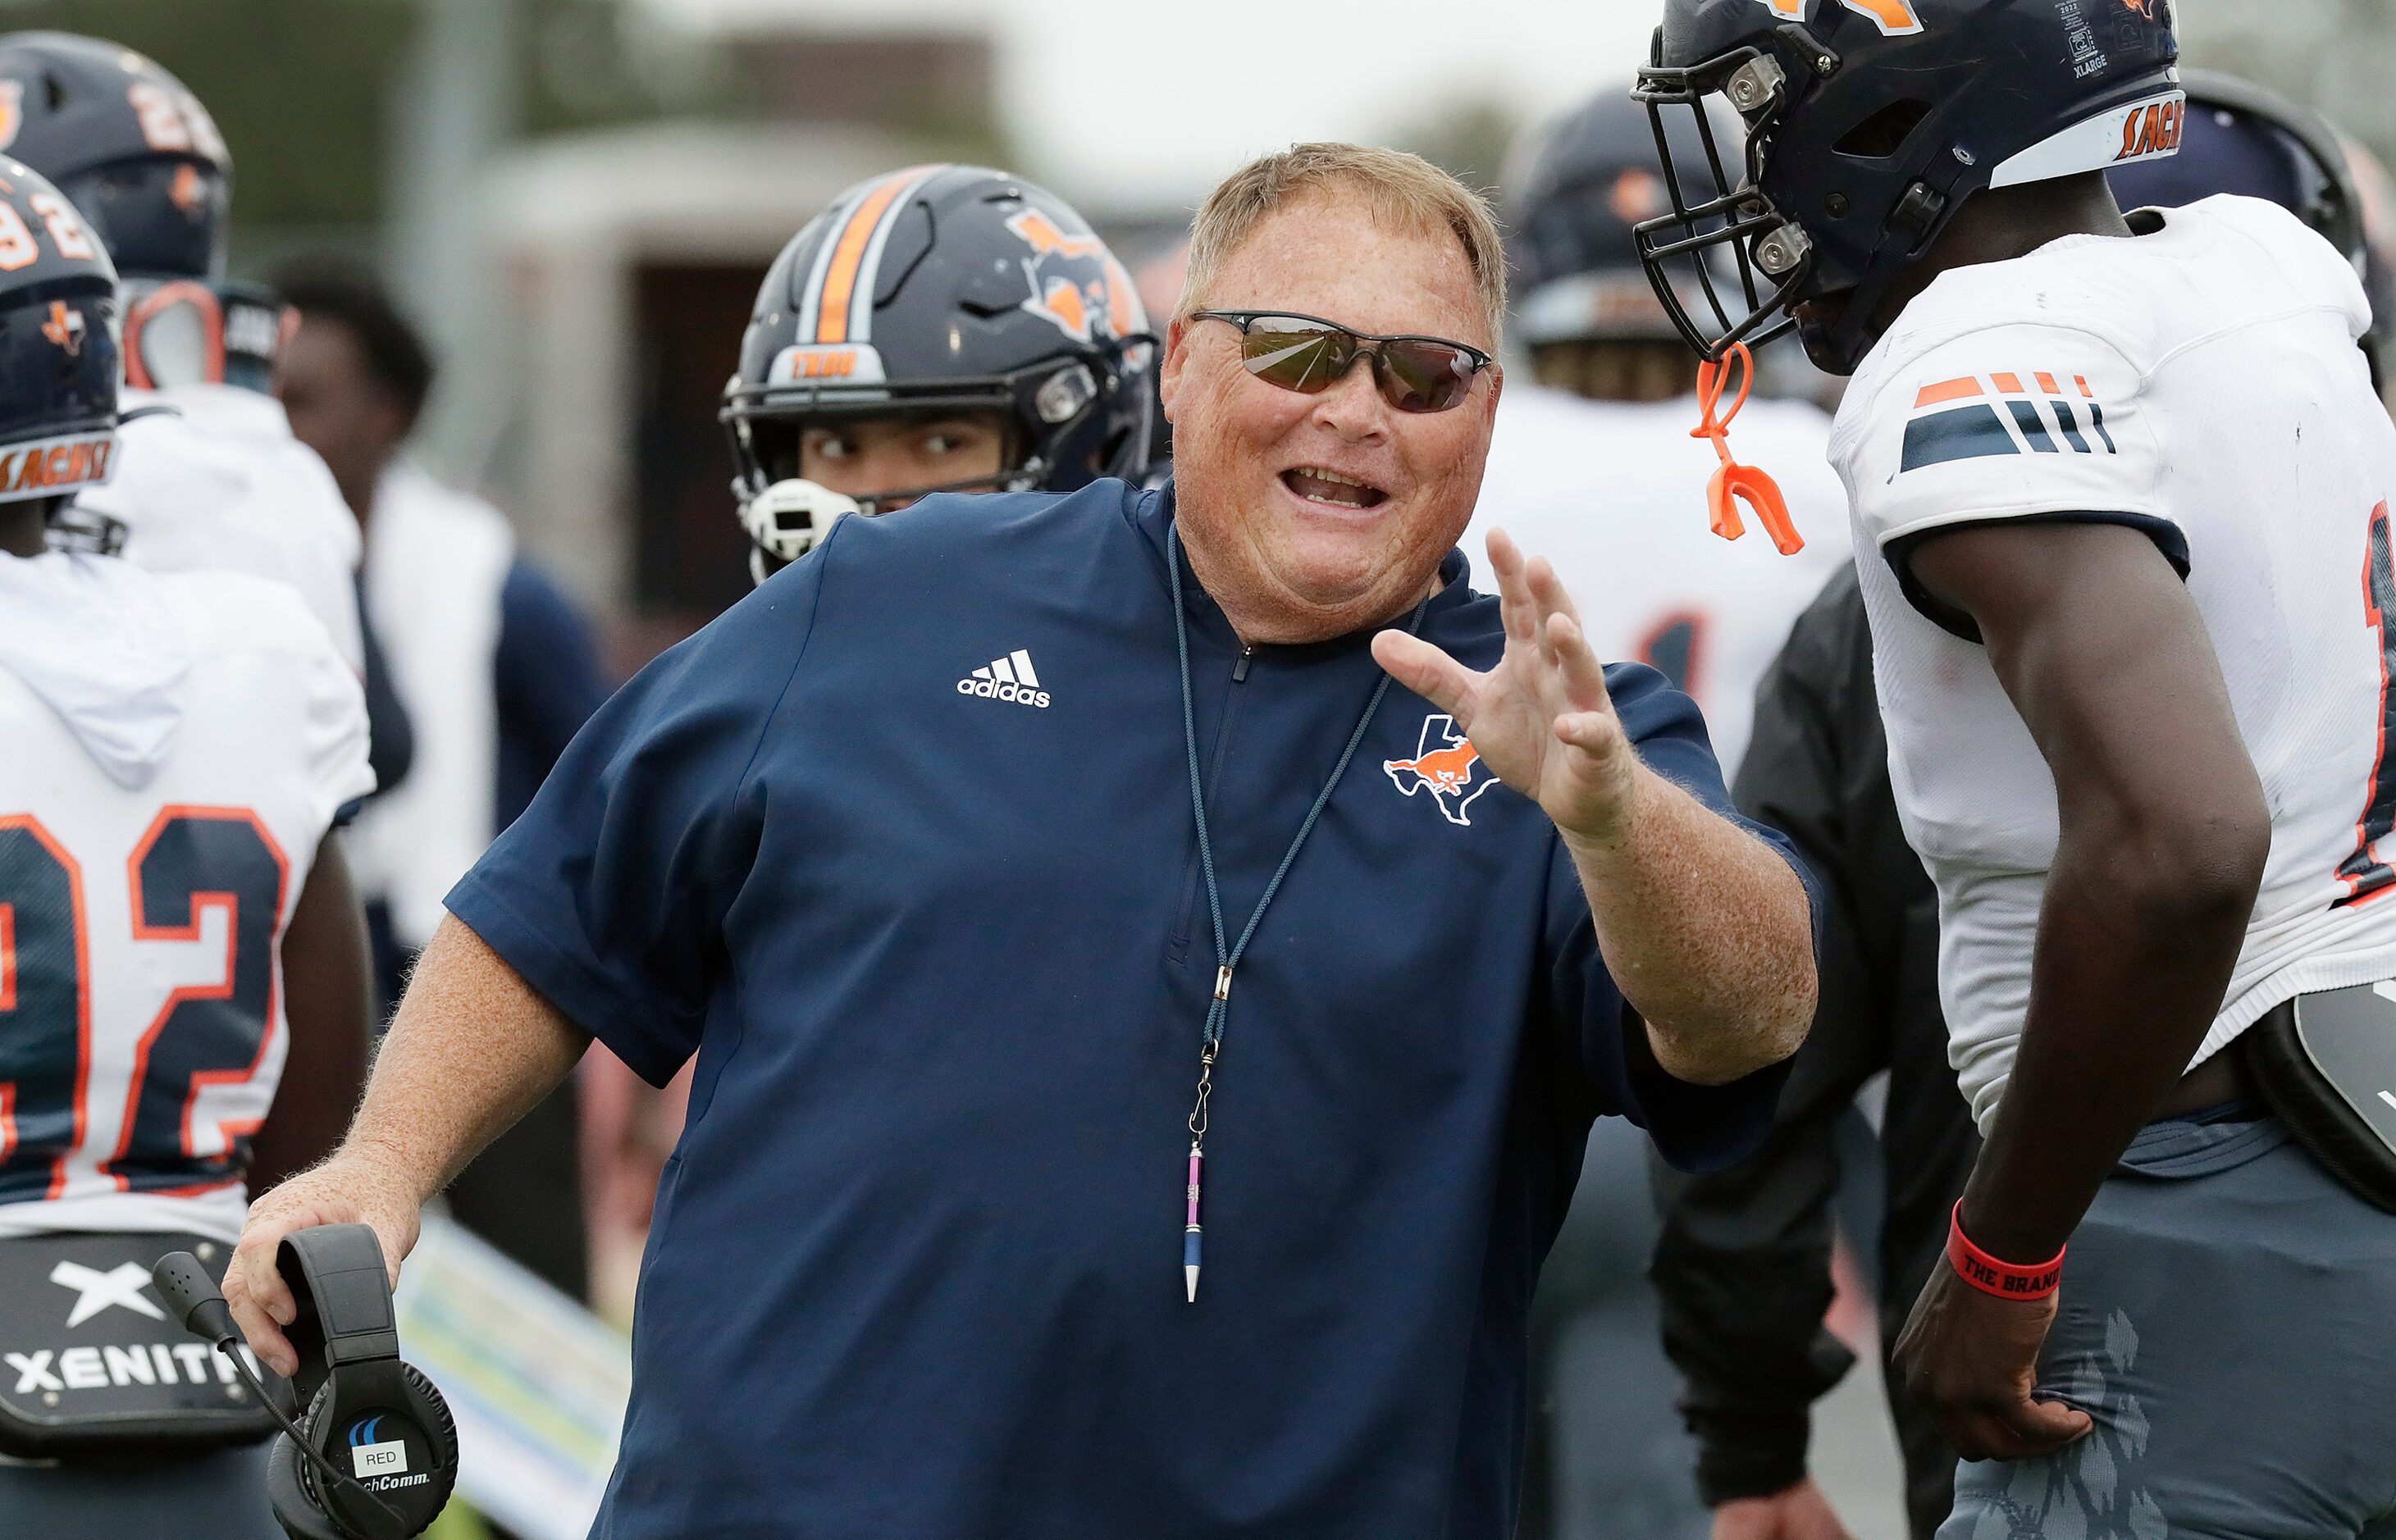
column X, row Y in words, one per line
column 1735, row 484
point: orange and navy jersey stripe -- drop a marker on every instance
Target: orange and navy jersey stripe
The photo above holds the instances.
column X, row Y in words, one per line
column 837, row 304
column 1977, row 415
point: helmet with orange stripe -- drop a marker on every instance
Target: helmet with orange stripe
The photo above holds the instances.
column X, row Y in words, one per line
column 953, row 305
column 1870, row 124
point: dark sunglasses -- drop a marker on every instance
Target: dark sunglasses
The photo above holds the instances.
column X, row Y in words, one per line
column 1306, row 353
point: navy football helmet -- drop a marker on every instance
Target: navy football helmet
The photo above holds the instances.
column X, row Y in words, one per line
column 932, row 291
column 2241, row 138
column 122, row 139
column 143, row 161
column 1869, row 124
column 1575, row 189
column 58, row 358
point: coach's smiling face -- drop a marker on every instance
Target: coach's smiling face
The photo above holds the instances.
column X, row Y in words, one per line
column 1312, row 516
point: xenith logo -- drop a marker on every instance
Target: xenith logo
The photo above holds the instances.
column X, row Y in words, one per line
column 1009, row 678
column 109, row 1366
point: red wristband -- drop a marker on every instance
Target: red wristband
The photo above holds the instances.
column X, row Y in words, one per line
column 1994, row 1275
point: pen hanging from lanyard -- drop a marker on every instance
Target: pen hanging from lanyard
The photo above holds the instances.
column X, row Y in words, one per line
column 1210, row 1043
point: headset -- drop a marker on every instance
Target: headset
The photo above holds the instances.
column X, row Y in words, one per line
column 364, row 1407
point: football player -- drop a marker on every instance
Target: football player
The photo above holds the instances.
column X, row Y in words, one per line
column 1592, row 463
column 943, row 328
column 215, row 480
column 183, row 965
column 2123, row 485
column 1746, row 1263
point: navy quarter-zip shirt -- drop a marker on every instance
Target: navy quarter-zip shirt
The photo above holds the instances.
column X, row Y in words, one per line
column 943, row 957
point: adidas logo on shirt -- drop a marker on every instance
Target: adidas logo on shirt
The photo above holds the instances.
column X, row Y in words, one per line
column 1009, row 678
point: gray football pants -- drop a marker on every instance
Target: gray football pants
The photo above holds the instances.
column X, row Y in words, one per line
column 1611, row 1459
column 2229, row 1319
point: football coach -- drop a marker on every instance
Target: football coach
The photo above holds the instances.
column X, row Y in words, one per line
column 1153, row 958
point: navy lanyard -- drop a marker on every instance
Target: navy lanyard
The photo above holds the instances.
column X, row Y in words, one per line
column 1210, row 1038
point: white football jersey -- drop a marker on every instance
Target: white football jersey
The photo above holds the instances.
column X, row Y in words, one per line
column 1614, row 496
column 436, row 566
column 216, row 483
column 2201, row 383
column 141, row 1022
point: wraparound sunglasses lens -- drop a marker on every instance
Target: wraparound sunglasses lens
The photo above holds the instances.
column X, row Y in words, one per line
column 1302, row 353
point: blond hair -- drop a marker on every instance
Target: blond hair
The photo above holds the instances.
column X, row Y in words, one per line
column 1401, row 190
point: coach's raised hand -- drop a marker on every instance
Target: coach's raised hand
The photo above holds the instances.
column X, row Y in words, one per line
column 1541, row 718
column 1706, row 930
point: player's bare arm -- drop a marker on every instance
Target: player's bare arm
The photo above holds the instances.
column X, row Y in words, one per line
column 2165, row 831
column 1707, row 933
column 328, row 999
column 421, row 1120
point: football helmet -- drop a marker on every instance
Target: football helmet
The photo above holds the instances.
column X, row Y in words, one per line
column 2240, row 138
column 1869, row 124
column 934, row 291
column 1574, row 190
column 58, row 358
column 144, row 162
column 122, row 139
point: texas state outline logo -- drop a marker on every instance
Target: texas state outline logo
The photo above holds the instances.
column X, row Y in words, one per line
column 1446, row 765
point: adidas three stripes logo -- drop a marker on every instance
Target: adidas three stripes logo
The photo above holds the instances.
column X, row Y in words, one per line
column 1011, row 678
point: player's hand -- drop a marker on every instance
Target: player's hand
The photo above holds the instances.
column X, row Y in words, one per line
column 1972, row 1358
column 347, row 1190
column 1800, row 1512
column 1541, row 719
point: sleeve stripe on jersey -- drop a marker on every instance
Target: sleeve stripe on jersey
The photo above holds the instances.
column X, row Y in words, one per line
column 2097, row 416
column 1980, row 430
column 2033, row 426
column 2071, row 421
column 1969, row 432
column 1952, row 390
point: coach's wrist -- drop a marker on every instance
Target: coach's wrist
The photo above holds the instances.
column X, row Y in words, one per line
column 386, row 1173
column 1603, row 830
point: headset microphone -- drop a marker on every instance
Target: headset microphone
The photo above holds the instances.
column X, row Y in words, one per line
column 397, row 1431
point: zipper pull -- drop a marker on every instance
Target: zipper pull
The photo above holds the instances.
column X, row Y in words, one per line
column 1240, row 669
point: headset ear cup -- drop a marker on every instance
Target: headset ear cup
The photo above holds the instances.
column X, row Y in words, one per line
column 289, row 1493
column 432, row 1414
column 294, row 1490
